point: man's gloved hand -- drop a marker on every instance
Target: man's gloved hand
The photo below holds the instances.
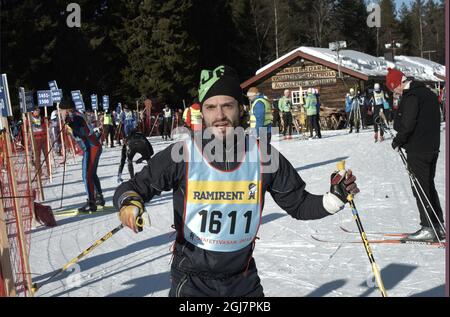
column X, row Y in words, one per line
column 342, row 184
column 395, row 144
column 130, row 214
column 119, row 178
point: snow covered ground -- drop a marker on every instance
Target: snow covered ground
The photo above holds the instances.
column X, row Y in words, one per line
column 289, row 261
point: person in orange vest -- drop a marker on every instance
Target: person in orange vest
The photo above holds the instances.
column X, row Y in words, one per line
column 192, row 117
column 39, row 130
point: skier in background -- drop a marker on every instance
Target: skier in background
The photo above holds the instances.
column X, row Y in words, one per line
column 39, row 129
column 167, row 112
column 54, row 133
column 128, row 120
column 352, row 110
column 317, row 95
column 108, row 128
column 418, row 131
column 134, row 143
column 91, row 145
column 377, row 102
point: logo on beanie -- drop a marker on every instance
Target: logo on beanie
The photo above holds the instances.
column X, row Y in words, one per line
column 207, row 79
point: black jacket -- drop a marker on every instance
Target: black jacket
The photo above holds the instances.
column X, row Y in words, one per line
column 138, row 143
column 418, row 120
column 162, row 174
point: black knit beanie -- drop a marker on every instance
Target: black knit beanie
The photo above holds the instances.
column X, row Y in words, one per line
column 223, row 80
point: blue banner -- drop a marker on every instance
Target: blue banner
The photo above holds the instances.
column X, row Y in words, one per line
column 78, row 100
column 22, row 103
column 5, row 105
column 105, row 102
column 26, row 100
column 44, row 98
column 56, row 95
column 53, row 85
column 94, row 102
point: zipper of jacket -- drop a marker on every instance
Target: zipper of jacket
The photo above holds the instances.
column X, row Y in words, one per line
column 180, row 286
column 182, row 253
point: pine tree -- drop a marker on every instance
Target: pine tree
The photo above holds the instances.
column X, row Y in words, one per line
column 389, row 30
column 434, row 35
column 406, row 27
column 161, row 56
column 349, row 17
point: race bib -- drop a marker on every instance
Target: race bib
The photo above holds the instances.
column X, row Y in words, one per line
column 223, row 209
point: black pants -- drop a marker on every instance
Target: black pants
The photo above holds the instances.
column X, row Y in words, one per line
column 350, row 117
column 423, row 165
column 108, row 130
column 128, row 153
column 287, row 118
column 377, row 118
column 167, row 127
column 312, row 125
column 364, row 117
column 245, row 284
column 318, row 125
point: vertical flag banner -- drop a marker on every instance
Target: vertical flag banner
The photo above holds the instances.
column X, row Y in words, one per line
column 5, row 104
column 44, row 98
column 78, row 100
column 105, row 102
column 94, row 102
column 53, row 85
column 22, row 100
column 29, row 100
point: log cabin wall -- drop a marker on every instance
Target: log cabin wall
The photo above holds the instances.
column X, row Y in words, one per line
column 332, row 90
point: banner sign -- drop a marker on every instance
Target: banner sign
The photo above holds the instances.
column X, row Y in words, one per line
column 44, row 98
column 105, row 102
column 22, row 103
column 5, row 104
column 56, row 93
column 53, row 85
column 29, row 101
column 94, row 102
column 305, row 76
column 78, row 100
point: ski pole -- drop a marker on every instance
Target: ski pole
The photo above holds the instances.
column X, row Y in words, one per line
column 36, row 286
column 63, row 182
column 375, row 269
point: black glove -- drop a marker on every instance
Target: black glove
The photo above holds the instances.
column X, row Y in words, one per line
column 131, row 211
column 395, row 144
column 343, row 184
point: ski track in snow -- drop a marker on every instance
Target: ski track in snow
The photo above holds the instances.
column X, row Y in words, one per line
column 289, row 261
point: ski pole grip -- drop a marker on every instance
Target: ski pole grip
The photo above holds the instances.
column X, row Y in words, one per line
column 140, row 223
column 341, row 165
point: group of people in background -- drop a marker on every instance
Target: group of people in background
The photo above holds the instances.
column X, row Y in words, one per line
column 372, row 102
column 262, row 114
column 121, row 126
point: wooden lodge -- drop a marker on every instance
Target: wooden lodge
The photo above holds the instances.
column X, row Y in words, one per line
column 318, row 68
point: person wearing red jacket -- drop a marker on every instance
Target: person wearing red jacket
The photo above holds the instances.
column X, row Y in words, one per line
column 39, row 129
